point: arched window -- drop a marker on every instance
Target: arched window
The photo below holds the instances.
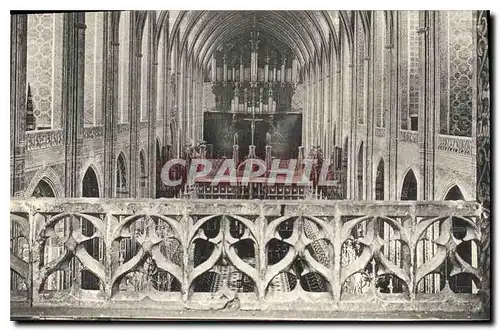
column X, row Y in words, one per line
column 121, row 177
column 92, row 102
column 43, row 190
column 123, row 70
column 145, row 71
column 44, row 68
column 409, row 190
column 379, row 181
column 90, row 186
column 360, row 173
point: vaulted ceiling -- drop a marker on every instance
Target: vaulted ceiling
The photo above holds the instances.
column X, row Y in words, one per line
column 309, row 34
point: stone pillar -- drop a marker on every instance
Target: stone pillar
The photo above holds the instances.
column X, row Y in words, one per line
column 428, row 103
column 370, row 121
column 134, row 107
column 72, row 99
column 353, row 122
column 18, row 53
column 393, row 120
column 110, row 100
column 152, row 67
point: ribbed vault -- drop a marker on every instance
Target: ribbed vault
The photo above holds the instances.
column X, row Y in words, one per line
column 309, row 34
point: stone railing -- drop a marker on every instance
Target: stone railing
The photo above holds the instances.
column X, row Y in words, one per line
column 408, row 136
column 379, row 132
column 455, row 144
column 44, row 139
column 143, row 125
column 163, row 258
column 93, row 132
column 123, row 128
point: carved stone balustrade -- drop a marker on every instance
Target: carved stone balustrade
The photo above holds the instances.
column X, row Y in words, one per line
column 408, row 136
column 43, row 139
column 123, row 129
column 172, row 256
column 93, row 132
column 455, row 144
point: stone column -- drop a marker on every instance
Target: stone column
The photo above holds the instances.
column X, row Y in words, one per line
column 393, row 120
column 353, row 122
column 18, row 53
column 72, row 99
column 428, row 103
column 134, row 107
column 152, row 67
column 370, row 117
column 110, row 100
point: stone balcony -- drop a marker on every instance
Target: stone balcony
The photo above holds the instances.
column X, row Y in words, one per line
column 412, row 242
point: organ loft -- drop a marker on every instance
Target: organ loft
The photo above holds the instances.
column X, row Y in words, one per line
column 111, row 110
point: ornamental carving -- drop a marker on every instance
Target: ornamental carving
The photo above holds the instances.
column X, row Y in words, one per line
column 459, row 145
column 44, row 139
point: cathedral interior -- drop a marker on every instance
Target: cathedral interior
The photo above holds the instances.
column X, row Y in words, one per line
column 395, row 103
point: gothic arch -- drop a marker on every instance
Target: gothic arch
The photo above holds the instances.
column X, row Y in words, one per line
column 51, row 177
column 409, row 187
column 454, row 193
column 121, row 184
column 91, row 164
column 43, row 190
column 461, row 184
column 90, row 184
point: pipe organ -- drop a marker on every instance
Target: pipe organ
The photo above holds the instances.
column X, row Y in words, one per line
column 254, row 74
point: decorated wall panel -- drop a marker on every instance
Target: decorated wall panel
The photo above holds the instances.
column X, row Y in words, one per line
column 44, row 68
column 456, row 72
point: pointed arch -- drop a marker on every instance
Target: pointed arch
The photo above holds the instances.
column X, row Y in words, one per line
column 90, row 184
column 121, row 176
column 43, row 190
column 51, row 177
column 409, row 190
column 454, row 193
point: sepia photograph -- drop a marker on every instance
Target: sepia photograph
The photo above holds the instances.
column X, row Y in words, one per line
column 250, row 165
